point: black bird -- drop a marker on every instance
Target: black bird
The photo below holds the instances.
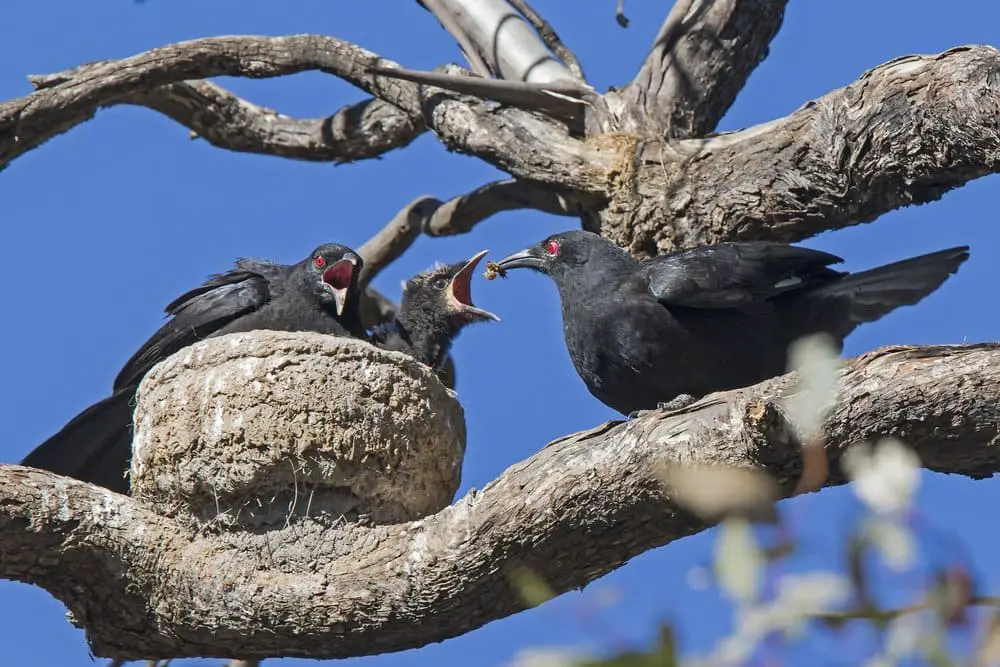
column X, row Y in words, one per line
column 664, row 331
column 320, row 294
column 436, row 306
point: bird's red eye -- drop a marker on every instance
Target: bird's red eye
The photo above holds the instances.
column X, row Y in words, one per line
column 319, row 262
column 551, row 247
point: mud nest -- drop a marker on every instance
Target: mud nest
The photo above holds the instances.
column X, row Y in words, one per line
column 253, row 430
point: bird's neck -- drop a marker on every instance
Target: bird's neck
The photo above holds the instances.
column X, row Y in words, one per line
column 428, row 335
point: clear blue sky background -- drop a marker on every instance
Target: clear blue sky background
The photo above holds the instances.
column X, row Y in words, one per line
column 105, row 225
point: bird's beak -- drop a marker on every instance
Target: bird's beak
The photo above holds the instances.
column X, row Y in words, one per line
column 340, row 276
column 528, row 258
column 460, row 289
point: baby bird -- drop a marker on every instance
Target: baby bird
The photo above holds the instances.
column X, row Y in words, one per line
column 436, row 306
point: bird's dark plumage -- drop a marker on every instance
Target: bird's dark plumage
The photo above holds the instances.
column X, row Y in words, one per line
column 641, row 333
column 436, row 306
column 320, row 294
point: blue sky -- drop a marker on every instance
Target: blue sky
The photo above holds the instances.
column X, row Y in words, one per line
column 105, row 225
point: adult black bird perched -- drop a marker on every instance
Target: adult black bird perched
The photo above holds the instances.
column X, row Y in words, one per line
column 664, row 331
column 436, row 306
column 320, row 294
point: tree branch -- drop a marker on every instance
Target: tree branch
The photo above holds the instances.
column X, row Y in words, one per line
column 525, row 145
column 355, row 132
column 549, row 37
column 576, row 510
column 905, row 133
column 700, row 60
column 500, row 39
column 358, row 131
column 460, row 215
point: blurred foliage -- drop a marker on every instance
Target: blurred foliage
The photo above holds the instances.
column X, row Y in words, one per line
column 772, row 607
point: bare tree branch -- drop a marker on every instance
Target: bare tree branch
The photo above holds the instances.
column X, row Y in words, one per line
column 461, row 214
column 577, row 509
column 522, row 144
column 699, row 62
column 549, row 37
column 563, row 100
column 449, row 22
column 358, row 131
column 503, row 42
column 399, row 234
column 905, row 133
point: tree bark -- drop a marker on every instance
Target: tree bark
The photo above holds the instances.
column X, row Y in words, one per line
column 579, row 508
column 640, row 172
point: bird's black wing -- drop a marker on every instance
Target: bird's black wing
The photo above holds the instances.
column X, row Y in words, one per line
column 198, row 313
column 731, row 275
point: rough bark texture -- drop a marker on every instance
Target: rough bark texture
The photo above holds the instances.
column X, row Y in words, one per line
column 639, row 170
column 905, row 133
column 576, row 510
column 251, row 430
column 699, row 62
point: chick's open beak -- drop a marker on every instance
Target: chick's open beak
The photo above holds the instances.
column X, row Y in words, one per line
column 460, row 289
column 339, row 277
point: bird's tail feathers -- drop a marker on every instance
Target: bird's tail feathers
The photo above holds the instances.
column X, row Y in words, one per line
column 874, row 293
column 95, row 446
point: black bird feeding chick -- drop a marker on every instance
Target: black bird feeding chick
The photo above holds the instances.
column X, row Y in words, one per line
column 436, row 306
column 320, row 294
column 664, row 331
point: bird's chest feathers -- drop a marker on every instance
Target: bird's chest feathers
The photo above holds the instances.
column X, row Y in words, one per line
column 602, row 345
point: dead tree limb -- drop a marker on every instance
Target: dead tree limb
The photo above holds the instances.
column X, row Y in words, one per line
column 577, row 509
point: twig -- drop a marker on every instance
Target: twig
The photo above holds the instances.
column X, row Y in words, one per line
column 620, row 14
column 549, row 36
column 563, row 99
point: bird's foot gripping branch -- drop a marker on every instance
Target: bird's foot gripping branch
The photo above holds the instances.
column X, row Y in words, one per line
column 251, row 430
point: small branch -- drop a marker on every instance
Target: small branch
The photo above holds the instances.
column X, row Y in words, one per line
column 399, row 234
column 620, row 17
column 458, row 216
column 579, row 508
column 549, row 37
column 562, row 100
column 905, row 133
column 700, row 60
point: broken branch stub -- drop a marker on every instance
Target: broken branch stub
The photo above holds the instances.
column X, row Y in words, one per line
column 249, row 430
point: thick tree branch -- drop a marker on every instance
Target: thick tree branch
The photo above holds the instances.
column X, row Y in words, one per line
column 549, row 37
column 576, row 510
column 905, row 133
column 700, row 60
column 500, row 40
column 525, row 145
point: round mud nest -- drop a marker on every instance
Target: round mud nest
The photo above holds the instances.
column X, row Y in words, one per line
column 252, row 430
